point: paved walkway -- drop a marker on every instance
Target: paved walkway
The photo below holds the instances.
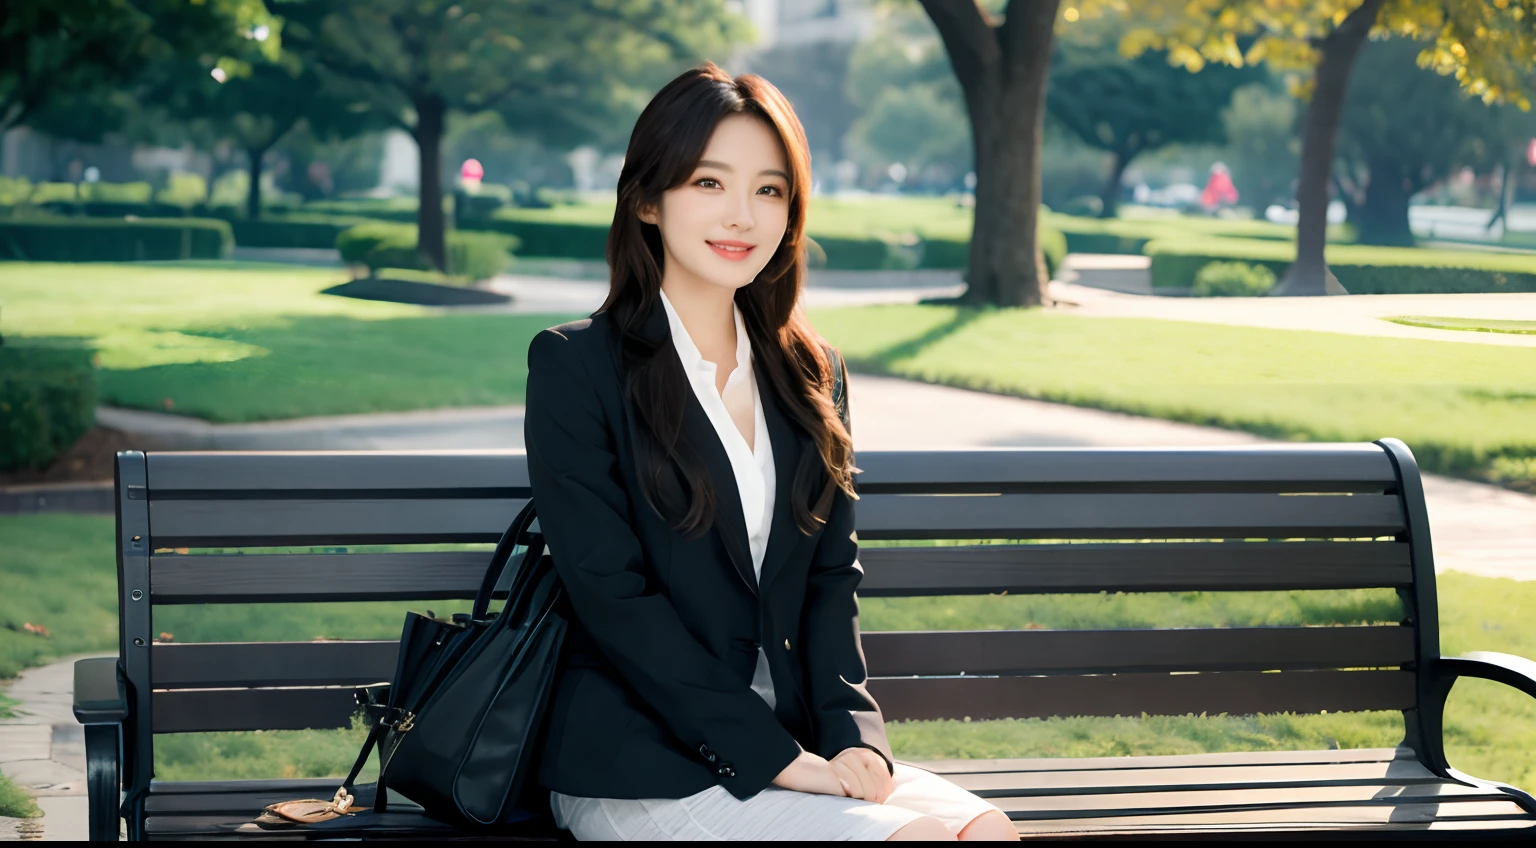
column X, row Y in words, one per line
column 43, row 751
column 1477, row 528
column 1114, row 293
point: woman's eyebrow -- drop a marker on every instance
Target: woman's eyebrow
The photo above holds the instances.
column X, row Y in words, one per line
column 708, row 163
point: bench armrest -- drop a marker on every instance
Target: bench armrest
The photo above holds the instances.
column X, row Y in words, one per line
column 1507, row 669
column 101, row 696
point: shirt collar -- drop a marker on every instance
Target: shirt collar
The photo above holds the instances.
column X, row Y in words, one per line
column 689, row 353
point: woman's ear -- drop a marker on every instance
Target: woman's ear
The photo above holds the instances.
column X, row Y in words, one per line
column 646, row 213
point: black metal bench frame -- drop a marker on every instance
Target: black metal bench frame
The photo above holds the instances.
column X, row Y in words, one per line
column 1151, row 520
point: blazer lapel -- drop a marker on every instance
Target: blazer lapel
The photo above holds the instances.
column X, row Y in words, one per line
column 730, row 523
column 729, row 519
column 789, row 442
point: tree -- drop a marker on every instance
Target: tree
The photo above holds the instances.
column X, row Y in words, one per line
column 565, row 71
column 1001, row 63
column 1487, row 44
column 69, row 48
column 254, row 102
column 1405, row 129
column 1127, row 107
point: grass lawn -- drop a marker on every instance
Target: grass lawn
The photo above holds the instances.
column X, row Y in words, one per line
column 235, row 342
column 15, row 802
column 1476, row 325
column 1465, row 409
column 62, row 577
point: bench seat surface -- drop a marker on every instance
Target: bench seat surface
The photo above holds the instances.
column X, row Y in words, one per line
column 1362, row 792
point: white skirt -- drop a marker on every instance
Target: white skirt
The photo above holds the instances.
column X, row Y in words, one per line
column 772, row 814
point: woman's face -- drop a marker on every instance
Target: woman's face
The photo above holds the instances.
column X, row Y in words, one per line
column 736, row 197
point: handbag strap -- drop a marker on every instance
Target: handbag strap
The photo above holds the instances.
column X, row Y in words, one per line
column 499, row 560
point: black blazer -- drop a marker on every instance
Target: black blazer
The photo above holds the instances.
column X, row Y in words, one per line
column 653, row 697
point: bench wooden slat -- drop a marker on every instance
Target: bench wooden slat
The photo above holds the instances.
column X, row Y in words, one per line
column 272, row 664
column 1237, row 692
column 1196, row 778
column 889, row 572
column 894, row 654
column 179, row 473
column 1490, row 814
column 889, row 654
column 298, row 578
column 1133, row 567
column 209, row 710
column 1293, row 466
column 1106, row 516
column 1225, row 759
column 220, row 523
column 1233, row 800
column 255, row 523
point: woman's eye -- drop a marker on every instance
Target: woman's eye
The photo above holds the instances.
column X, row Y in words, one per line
column 700, row 182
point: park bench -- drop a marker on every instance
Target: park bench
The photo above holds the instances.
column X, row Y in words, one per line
column 1271, row 518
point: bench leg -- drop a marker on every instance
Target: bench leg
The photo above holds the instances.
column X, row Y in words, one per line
column 101, row 773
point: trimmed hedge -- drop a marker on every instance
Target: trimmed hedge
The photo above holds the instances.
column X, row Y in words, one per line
column 385, row 245
column 313, row 231
column 549, row 238
column 1360, row 269
column 47, row 402
column 113, row 240
column 1129, row 236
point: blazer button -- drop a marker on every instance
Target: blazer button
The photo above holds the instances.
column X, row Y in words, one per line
column 786, row 644
column 706, row 753
column 725, row 770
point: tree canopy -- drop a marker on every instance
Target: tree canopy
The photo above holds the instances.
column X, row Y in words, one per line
column 1129, row 106
column 560, row 72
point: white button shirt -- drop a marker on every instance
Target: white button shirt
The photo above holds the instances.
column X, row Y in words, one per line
column 732, row 411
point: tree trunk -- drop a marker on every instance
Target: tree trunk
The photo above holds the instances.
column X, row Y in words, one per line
column 1002, row 71
column 431, row 241
column 1110, row 199
column 1383, row 216
column 254, row 157
column 1309, row 274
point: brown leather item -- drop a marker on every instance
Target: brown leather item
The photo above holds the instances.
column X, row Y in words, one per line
column 308, row 810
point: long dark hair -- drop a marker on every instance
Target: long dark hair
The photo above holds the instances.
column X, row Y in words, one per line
column 665, row 147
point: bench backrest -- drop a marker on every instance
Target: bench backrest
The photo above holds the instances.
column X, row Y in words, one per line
column 1318, row 516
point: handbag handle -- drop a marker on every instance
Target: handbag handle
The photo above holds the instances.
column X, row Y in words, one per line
column 499, row 560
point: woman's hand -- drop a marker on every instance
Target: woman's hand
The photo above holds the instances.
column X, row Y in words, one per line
column 863, row 774
column 810, row 773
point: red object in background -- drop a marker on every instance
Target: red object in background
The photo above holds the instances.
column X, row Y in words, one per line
column 1219, row 189
column 472, row 170
column 1530, row 153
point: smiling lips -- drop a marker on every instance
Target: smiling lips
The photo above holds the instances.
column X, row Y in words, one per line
column 732, row 250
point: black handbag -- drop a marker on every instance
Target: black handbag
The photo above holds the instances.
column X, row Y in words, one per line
column 458, row 728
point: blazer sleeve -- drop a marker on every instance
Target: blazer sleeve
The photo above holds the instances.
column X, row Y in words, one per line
column 844, row 713
column 583, row 509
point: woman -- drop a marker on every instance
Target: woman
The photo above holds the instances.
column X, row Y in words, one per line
column 694, row 483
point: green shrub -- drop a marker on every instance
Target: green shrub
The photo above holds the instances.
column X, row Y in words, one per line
column 54, row 192
column 116, row 192
column 1361, row 269
column 15, row 191
column 385, row 245
column 47, row 402
column 113, row 240
column 1233, row 279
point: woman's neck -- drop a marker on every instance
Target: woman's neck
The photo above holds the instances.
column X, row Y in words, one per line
column 706, row 311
